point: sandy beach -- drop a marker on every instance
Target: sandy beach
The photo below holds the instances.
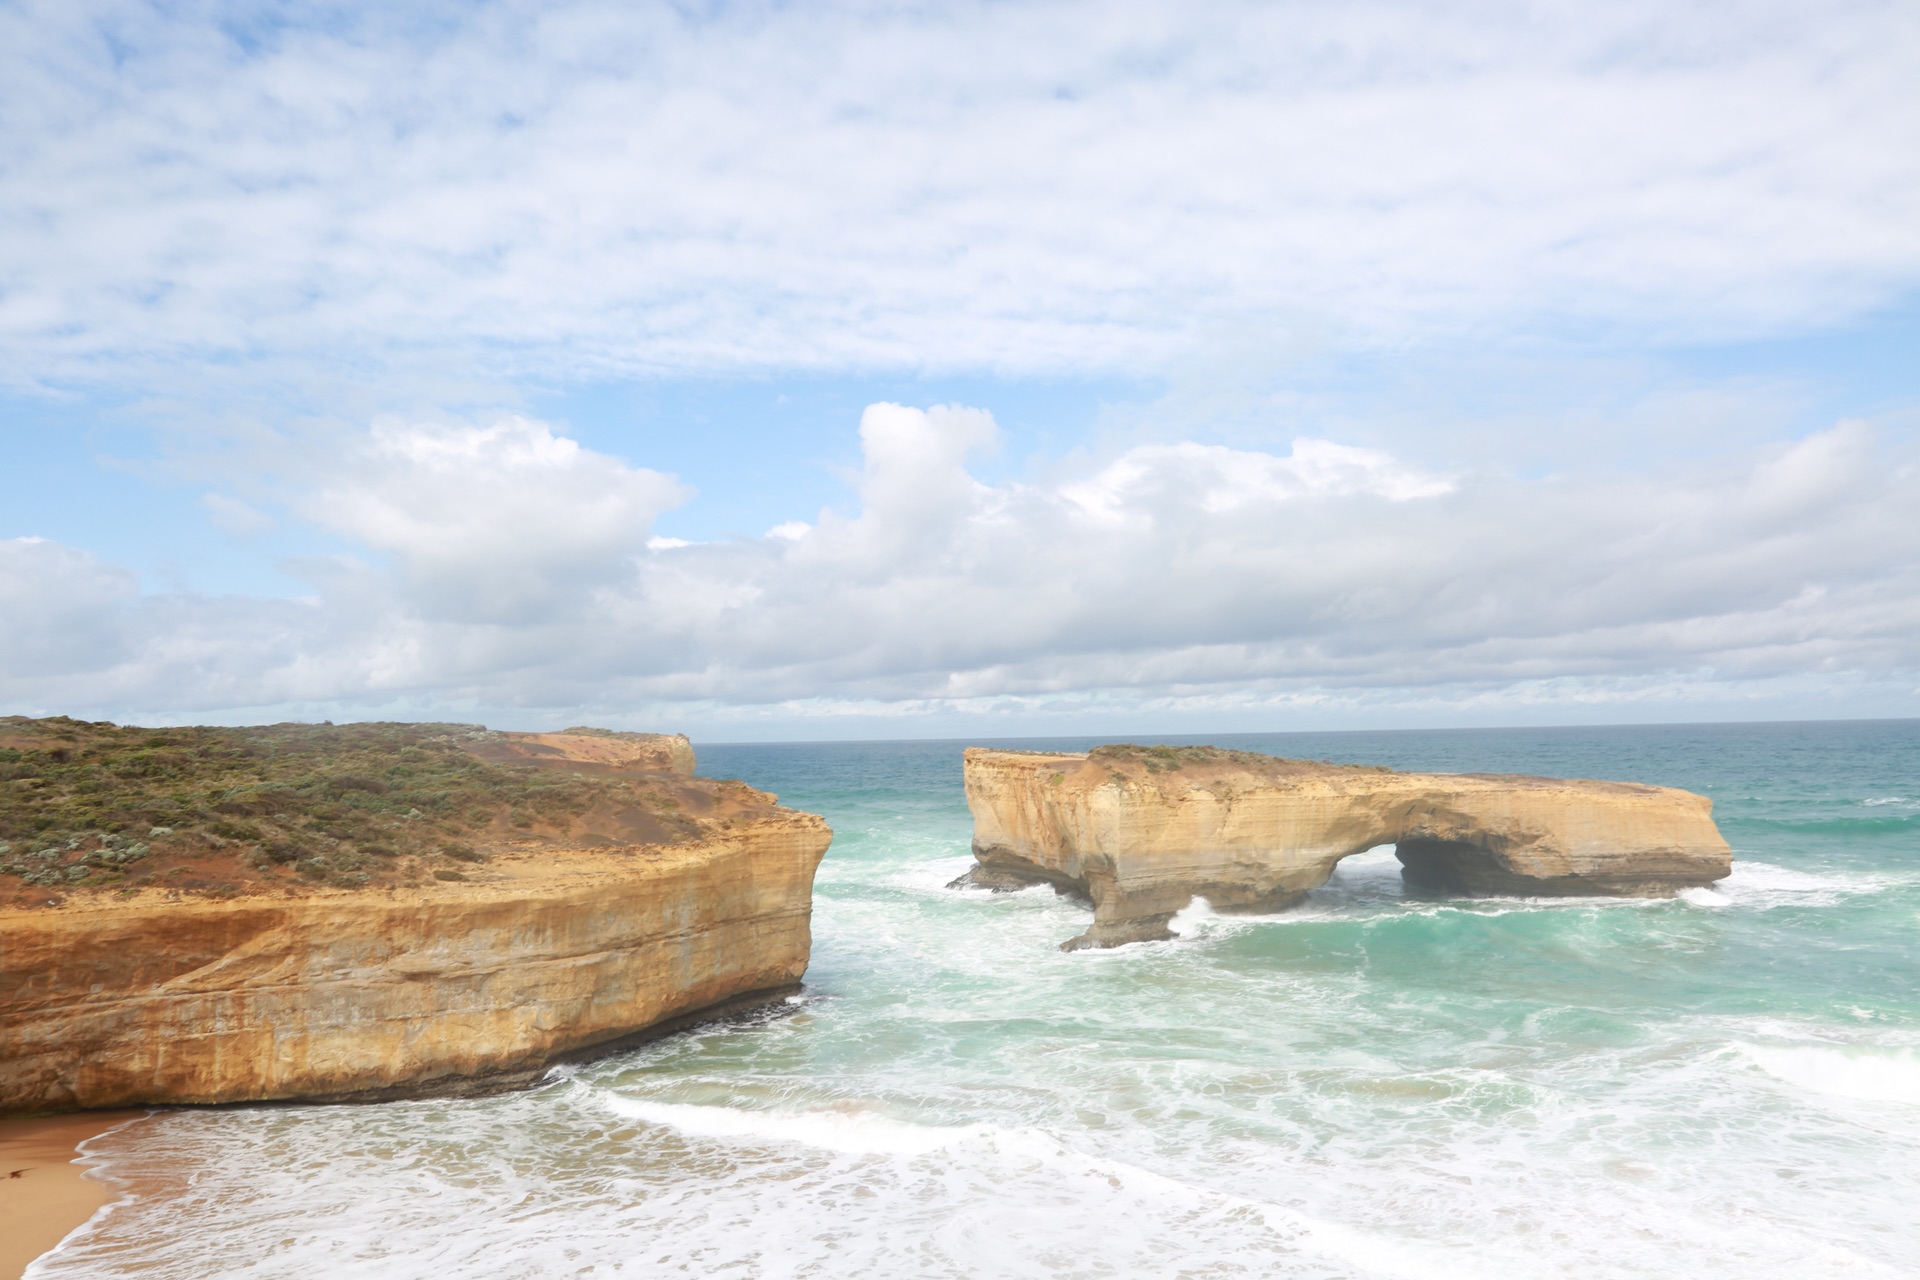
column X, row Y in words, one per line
column 42, row 1193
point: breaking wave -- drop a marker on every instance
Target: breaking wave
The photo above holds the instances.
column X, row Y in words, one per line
column 1868, row 1075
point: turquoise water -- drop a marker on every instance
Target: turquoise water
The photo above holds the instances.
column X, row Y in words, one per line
column 1727, row 1084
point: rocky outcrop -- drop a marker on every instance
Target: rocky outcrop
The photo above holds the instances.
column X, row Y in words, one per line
column 590, row 749
column 531, row 954
column 1143, row 831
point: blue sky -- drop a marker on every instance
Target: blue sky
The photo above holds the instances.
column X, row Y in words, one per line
column 897, row 370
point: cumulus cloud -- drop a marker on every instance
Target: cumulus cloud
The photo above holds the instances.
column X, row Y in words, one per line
column 585, row 187
column 1216, row 479
column 499, row 524
column 397, row 208
column 504, row 565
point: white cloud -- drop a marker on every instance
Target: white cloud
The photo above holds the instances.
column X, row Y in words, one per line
column 60, row 609
column 501, row 523
column 1193, row 577
column 383, row 210
column 586, row 187
column 1217, row 479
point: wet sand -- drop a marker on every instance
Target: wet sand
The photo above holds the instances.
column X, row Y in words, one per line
column 42, row 1195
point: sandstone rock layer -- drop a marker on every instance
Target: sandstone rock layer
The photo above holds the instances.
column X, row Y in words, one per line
column 1144, row 831
column 592, row 749
column 452, row 986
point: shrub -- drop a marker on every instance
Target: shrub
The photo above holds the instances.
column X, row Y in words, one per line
column 337, row 802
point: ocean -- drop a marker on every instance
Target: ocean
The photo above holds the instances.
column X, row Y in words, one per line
column 1371, row 1085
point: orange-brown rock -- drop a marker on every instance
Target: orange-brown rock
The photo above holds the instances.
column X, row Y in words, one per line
column 479, row 980
column 1142, row 831
column 594, row 748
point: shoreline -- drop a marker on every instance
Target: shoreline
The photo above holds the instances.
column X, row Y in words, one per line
column 43, row 1194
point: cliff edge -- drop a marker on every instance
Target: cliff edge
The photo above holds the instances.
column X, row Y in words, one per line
column 1142, row 831
column 361, row 912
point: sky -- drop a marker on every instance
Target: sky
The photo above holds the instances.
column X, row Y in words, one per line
column 775, row 371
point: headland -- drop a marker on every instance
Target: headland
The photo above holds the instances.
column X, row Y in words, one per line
column 356, row 912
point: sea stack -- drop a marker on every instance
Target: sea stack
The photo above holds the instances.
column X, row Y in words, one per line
column 1143, row 831
column 372, row 911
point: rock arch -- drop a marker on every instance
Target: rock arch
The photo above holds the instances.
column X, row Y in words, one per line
column 1142, row 831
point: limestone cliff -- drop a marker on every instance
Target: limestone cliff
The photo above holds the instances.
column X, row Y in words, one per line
column 595, row 749
column 1144, row 831
column 538, row 948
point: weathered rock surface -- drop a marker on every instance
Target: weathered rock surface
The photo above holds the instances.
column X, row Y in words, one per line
column 459, row 985
column 1142, row 831
column 591, row 749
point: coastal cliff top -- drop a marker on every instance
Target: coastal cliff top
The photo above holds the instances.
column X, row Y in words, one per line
column 1206, row 767
column 93, row 809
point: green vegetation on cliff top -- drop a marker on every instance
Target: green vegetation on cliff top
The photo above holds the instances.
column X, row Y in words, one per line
column 1164, row 759
column 224, row 810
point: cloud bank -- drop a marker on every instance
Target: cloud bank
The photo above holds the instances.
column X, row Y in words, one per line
column 502, row 565
column 586, row 189
column 242, row 225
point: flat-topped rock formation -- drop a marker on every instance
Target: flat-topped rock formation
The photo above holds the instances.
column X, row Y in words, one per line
column 585, row 750
column 1143, row 831
column 569, row 893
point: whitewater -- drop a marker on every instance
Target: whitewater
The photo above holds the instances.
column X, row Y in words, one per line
column 1375, row 1084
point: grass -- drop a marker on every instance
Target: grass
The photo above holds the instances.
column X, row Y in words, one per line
column 1165, row 759
column 222, row 810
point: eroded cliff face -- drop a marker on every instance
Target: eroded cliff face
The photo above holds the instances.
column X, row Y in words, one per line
column 316, row 991
column 1144, row 831
column 591, row 748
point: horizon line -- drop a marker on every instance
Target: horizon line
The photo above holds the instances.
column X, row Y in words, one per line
column 1304, row 733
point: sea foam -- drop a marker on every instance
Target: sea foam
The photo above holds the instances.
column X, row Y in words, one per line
column 847, row 1132
column 850, row 1132
column 1869, row 1075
